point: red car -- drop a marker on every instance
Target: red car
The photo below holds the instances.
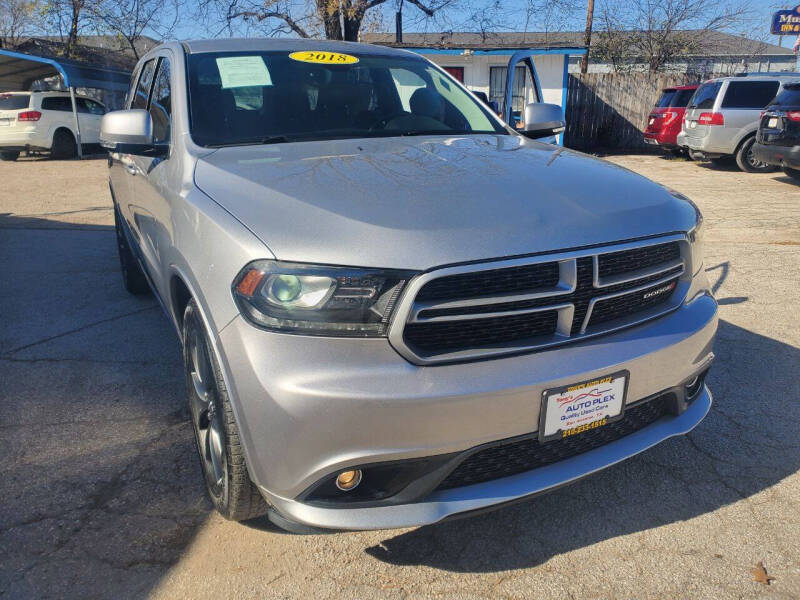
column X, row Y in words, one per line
column 664, row 123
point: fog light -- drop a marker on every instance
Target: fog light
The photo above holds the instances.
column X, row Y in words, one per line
column 348, row 480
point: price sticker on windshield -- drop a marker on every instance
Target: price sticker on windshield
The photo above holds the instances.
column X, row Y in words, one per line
column 323, row 58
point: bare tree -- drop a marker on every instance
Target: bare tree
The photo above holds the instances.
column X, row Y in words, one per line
column 332, row 19
column 131, row 19
column 660, row 31
column 67, row 18
column 19, row 19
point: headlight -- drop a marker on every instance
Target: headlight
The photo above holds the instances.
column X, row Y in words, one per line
column 318, row 300
column 695, row 234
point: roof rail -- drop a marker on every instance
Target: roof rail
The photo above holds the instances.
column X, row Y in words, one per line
column 768, row 74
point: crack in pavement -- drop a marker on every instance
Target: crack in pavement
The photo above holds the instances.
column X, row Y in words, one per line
column 8, row 353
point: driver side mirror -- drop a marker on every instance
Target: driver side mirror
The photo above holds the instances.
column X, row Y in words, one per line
column 543, row 120
column 130, row 132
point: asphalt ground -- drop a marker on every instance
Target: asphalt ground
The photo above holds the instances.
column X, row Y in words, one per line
column 101, row 495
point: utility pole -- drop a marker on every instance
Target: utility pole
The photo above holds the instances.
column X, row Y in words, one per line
column 587, row 37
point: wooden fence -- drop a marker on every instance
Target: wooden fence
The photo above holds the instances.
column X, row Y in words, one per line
column 608, row 112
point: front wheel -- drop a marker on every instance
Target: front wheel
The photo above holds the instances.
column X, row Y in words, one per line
column 793, row 173
column 10, row 155
column 215, row 430
column 746, row 160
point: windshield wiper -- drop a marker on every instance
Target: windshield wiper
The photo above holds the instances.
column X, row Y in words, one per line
column 270, row 139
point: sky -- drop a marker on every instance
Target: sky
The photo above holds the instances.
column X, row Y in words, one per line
column 513, row 13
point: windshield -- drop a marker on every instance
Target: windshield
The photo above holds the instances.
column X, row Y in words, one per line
column 666, row 98
column 789, row 96
column 705, row 95
column 269, row 97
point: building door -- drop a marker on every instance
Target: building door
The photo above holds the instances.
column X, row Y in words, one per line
column 497, row 89
column 457, row 72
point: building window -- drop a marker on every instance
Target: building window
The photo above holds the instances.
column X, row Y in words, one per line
column 457, row 72
column 497, row 86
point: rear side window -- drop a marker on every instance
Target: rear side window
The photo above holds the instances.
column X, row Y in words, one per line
column 14, row 101
column 142, row 92
column 789, row 96
column 57, row 103
column 666, row 99
column 705, row 95
column 681, row 98
column 749, row 94
column 161, row 103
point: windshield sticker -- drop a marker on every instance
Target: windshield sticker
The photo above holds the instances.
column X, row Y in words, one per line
column 323, row 58
column 243, row 71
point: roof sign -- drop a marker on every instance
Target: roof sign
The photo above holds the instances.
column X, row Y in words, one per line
column 786, row 21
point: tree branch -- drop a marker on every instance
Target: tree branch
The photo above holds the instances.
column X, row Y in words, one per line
column 261, row 16
column 428, row 11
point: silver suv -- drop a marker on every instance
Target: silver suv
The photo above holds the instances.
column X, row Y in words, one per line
column 394, row 308
column 723, row 115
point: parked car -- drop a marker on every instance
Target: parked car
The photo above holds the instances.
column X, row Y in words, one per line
column 778, row 137
column 394, row 308
column 665, row 120
column 45, row 121
column 723, row 116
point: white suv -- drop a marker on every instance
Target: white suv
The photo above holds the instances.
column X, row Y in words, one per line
column 44, row 121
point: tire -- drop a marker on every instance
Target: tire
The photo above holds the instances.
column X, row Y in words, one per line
column 64, row 145
column 793, row 173
column 747, row 162
column 10, row 155
column 132, row 275
column 677, row 152
column 215, row 431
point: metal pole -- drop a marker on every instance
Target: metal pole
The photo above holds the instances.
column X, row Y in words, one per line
column 77, row 123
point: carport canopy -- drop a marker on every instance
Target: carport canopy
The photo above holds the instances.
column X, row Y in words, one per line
column 19, row 71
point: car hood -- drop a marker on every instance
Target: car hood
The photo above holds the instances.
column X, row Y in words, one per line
column 420, row 202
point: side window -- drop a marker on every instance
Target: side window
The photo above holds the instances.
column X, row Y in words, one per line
column 89, row 107
column 57, row 103
column 142, row 92
column 749, row 94
column 160, row 104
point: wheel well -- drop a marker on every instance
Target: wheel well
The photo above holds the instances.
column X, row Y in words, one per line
column 743, row 140
column 67, row 129
column 180, row 298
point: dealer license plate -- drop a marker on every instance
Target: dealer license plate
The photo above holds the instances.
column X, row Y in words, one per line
column 580, row 407
column 5, row 122
column 773, row 123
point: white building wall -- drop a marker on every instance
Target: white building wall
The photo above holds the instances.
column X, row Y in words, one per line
column 549, row 67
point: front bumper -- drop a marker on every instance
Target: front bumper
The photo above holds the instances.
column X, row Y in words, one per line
column 781, row 156
column 311, row 407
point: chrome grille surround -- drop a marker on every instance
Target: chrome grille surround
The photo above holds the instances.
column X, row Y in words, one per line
column 409, row 311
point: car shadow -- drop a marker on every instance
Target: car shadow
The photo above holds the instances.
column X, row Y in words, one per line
column 747, row 443
column 101, row 486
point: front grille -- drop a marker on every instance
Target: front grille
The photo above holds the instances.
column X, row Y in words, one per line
column 617, row 263
column 472, row 313
column 516, row 456
column 446, row 335
column 496, row 281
